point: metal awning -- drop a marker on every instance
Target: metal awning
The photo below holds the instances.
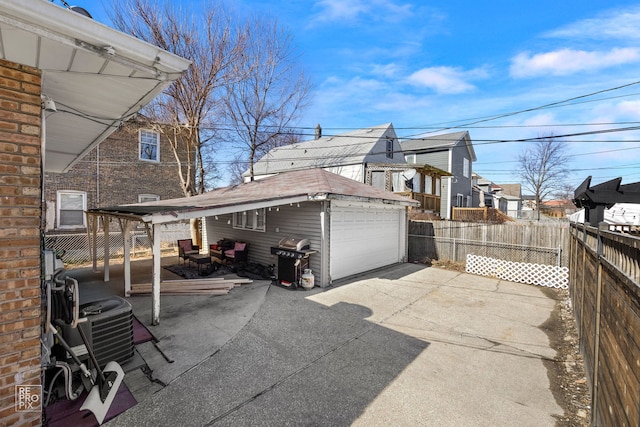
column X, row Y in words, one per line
column 97, row 76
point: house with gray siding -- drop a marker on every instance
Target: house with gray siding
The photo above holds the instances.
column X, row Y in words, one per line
column 453, row 153
column 345, row 154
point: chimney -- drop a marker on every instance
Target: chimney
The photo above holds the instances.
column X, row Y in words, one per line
column 318, row 131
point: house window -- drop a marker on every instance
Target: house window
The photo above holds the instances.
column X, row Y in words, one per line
column 437, row 186
column 254, row 220
column 410, row 158
column 149, row 145
column 465, row 168
column 142, row 198
column 389, row 148
column 459, row 200
column 71, row 207
column 428, row 184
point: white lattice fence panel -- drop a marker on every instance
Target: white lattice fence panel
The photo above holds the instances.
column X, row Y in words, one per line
column 521, row 272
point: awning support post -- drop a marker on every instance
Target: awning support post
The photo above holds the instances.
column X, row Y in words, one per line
column 125, row 226
column 155, row 290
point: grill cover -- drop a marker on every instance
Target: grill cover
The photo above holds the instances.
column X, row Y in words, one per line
column 293, row 244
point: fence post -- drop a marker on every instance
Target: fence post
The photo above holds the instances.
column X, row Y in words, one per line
column 596, row 345
column 455, row 257
column 559, row 256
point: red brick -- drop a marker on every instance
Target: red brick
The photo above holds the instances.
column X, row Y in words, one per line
column 30, row 293
column 8, row 296
column 6, row 169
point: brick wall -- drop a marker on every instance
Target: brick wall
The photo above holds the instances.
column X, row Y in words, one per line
column 120, row 175
column 20, row 216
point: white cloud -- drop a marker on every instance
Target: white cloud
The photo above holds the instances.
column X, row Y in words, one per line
column 630, row 109
column 619, row 24
column 569, row 61
column 446, row 80
column 352, row 10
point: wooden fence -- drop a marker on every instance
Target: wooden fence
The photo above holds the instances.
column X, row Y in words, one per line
column 541, row 243
column 604, row 283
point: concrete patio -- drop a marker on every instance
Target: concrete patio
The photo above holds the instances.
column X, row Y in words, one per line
column 406, row 345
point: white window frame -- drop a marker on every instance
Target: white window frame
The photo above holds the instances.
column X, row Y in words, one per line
column 142, row 198
column 459, row 200
column 410, row 158
column 59, row 196
column 149, row 133
column 465, row 168
column 252, row 220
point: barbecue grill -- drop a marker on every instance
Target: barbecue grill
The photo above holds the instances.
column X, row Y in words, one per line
column 293, row 259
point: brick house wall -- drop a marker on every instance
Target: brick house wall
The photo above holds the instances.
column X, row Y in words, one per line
column 113, row 174
column 20, row 215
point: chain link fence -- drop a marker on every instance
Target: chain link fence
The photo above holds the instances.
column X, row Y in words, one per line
column 75, row 248
column 456, row 250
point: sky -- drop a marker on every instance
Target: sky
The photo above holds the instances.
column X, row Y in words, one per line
column 504, row 70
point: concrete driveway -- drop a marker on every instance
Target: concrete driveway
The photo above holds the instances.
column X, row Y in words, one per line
column 404, row 346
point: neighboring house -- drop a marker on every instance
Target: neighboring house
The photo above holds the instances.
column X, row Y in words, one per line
column 346, row 154
column 96, row 76
column 418, row 182
column 352, row 227
column 510, row 199
column 134, row 164
column 505, row 197
column 453, row 153
column 560, row 208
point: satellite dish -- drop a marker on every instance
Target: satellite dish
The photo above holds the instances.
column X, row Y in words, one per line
column 409, row 174
column 81, row 11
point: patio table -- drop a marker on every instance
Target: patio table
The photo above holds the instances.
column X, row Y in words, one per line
column 200, row 259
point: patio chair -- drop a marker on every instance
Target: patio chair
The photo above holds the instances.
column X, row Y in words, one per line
column 238, row 254
column 186, row 248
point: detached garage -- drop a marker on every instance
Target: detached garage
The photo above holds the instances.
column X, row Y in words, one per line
column 351, row 227
column 364, row 237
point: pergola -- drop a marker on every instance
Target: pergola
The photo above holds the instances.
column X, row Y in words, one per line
column 595, row 199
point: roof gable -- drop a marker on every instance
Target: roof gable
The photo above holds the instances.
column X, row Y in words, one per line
column 336, row 150
column 445, row 141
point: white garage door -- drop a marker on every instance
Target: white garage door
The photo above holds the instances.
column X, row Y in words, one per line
column 363, row 239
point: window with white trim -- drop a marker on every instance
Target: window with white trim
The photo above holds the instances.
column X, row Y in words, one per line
column 71, row 207
column 410, row 158
column 253, row 220
column 389, row 148
column 149, row 142
column 459, row 200
column 142, row 198
column 465, row 168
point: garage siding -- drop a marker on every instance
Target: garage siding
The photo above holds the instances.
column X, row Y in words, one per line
column 291, row 221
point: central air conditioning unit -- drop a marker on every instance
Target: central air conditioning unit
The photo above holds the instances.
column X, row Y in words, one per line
column 109, row 330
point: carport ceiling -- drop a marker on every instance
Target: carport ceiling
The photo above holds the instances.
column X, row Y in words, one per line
column 96, row 76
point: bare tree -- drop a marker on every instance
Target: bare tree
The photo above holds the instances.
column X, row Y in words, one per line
column 262, row 105
column 543, row 168
column 210, row 41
